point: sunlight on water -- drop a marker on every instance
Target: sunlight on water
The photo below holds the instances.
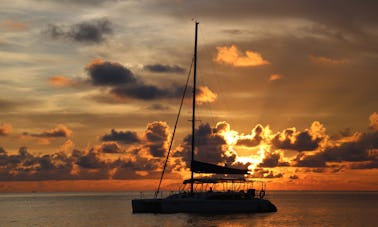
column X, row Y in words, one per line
column 114, row 209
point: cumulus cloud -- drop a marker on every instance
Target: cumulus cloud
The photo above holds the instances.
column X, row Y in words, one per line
column 85, row 32
column 273, row 159
column 104, row 73
column 217, row 145
column 307, row 140
column 373, row 121
column 104, row 161
column 110, row 148
column 361, row 153
column 159, row 68
column 45, row 137
column 59, row 131
column 125, row 137
column 232, row 56
column 156, row 136
column 5, row 129
column 210, row 147
column 264, row 173
column 254, row 139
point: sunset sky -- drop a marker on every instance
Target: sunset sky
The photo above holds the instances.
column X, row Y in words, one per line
column 89, row 92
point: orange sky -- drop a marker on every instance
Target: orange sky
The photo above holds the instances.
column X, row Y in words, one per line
column 89, row 92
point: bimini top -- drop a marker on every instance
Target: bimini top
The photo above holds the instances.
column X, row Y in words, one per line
column 215, row 180
column 203, row 167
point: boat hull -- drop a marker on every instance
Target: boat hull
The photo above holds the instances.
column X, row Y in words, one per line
column 190, row 205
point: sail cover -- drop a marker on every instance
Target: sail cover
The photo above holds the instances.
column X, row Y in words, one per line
column 203, row 167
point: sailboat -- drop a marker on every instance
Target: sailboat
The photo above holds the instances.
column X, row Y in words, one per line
column 238, row 194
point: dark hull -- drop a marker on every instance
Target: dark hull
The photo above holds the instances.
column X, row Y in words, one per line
column 194, row 205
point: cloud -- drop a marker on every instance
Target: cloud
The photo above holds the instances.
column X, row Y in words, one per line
column 159, row 68
column 60, row 81
column 13, row 26
column 307, row 140
column 84, row 32
column 275, row 77
column 254, row 139
column 124, row 85
column 59, row 131
column 5, row 129
column 373, row 121
column 360, row 152
column 90, row 160
column 125, row 137
column 205, row 95
column 210, row 147
column 156, row 136
column 143, row 159
column 105, row 73
column 104, row 161
column 263, row 173
column 144, row 92
column 329, row 61
column 110, row 148
column 273, row 159
column 232, row 56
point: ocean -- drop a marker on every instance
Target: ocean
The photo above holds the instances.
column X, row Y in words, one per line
column 295, row 208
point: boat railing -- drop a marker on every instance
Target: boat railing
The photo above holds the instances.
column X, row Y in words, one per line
column 255, row 189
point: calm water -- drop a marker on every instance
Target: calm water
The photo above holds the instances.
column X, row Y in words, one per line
column 114, row 209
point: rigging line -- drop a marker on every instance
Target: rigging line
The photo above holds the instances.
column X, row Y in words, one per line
column 174, row 130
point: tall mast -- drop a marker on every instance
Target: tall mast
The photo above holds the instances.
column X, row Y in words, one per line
column 194, row 102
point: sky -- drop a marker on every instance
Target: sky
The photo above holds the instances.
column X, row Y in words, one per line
column 90, row 90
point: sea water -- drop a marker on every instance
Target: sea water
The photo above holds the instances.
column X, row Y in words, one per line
column 295, row 208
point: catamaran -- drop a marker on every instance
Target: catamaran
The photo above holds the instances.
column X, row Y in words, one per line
column 214, row 194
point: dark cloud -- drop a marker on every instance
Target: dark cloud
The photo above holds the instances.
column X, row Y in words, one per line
column 105, row 73
column 264, row 173
column 147, row 92
column 85, row 32
column 210, row 147
column 111, row 148
column 156, row 136
column 144, row 92
column 90, row 160
column 125, row 137
column 252, row 142
column 272, row 159
column 59, row 131
column 158, row 68
column 124, row 85
column 361, row 150
column 303, row 141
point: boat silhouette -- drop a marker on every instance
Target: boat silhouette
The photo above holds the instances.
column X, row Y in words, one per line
column 237, row 194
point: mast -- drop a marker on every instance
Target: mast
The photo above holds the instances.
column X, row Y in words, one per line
column 194, row 101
